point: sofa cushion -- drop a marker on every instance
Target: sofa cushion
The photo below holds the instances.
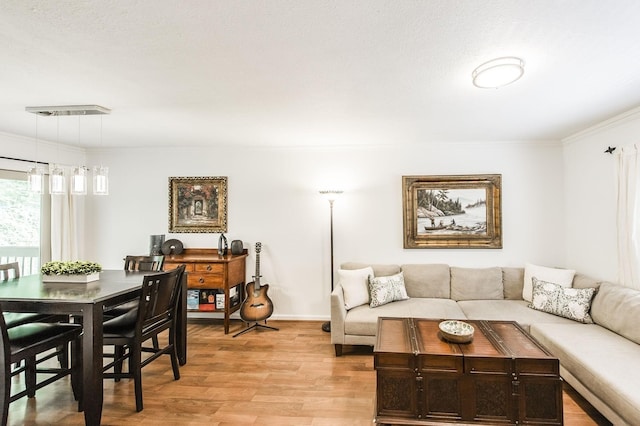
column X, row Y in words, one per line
column 567, row 302
column 383, row 290
column 355, row 286
column 583, row 281
column 379, row 270
column 512, row 281
column 507, row 310
column 427, row 280
column 476, row 283
column 563, row 277
column 618, row 309
column 363, row 320
column 600, row 360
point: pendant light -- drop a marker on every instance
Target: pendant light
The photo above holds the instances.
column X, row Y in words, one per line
column 100, row 173
column 79, row 177
column 57, row 181
column 35, row 175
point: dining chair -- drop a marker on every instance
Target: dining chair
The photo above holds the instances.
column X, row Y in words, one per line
column 10, row 272
column 156, row 312
column 143, row 263
column 136, row 263
column 27, row 342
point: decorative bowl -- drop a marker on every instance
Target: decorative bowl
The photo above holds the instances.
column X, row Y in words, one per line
column 456, row 331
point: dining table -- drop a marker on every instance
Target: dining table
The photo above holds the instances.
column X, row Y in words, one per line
column 30, row 293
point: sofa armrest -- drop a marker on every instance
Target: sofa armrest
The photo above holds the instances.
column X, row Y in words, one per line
column 338, row 315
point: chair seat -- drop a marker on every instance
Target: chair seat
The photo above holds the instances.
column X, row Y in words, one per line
column 29, row 338
column 121, row 309
column 122, row 325
column 14, row 319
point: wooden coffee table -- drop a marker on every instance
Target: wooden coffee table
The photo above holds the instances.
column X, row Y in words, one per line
column 504, row 376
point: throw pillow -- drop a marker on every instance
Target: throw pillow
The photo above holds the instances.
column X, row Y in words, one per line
column 572, row 303
column 383, row 290
column 563, row 277
column 355, row 286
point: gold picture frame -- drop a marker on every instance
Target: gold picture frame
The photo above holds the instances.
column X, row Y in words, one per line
column 458, row 211
column 198, row 204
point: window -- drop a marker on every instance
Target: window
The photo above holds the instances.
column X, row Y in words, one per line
column 24, row 223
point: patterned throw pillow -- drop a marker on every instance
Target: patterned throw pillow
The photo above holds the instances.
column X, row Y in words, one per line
column 572, row 303
column 383, row 290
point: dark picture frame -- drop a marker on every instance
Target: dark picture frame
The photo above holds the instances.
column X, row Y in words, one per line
column 457, row 211
column 198, row 204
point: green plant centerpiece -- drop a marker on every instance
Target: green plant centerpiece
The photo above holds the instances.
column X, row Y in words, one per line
column 70, row 271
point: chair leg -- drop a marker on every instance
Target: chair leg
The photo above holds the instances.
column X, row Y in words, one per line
column 30, row 376
column 174, row 355
column 135, row 359
column 156, row 345
column 174, row 363
column 6, row 394
column 118, row 352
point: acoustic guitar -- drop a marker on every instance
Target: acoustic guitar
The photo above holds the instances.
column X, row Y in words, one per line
column 256, row 306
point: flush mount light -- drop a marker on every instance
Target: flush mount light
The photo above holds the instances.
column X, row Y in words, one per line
column 498, row 72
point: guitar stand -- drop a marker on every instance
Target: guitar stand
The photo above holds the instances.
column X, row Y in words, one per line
column 255, row 326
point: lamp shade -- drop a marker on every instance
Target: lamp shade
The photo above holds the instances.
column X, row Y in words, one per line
column 100, row 180
column 57, row 181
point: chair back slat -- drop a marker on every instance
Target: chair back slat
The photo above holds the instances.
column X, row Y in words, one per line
column 7, row 269
column 143, row 263
column 158, row 300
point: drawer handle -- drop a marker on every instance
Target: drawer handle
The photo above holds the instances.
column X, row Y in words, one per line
column 201, row 280
column 208, row 267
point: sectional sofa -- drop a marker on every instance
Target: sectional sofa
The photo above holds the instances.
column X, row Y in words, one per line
column 598, row 345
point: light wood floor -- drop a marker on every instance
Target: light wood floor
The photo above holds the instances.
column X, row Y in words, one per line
column 286, row 377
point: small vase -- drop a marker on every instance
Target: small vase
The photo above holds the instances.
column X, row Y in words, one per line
column 236, row 247
column 222, row 245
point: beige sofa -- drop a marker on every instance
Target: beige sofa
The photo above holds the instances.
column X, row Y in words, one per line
column 599, row 360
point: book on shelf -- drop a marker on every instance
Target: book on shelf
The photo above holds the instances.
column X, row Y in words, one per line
column 193, row 299
column 207, row 300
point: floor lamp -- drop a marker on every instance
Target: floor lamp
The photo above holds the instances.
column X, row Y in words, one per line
column 331, row 195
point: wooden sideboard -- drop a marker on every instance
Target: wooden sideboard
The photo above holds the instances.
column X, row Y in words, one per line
column 217, row 281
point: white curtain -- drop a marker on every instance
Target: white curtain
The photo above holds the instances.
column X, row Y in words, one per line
column 628, row 217
column 67, row 224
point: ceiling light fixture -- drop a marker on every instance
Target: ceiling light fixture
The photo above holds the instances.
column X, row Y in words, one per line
column 498, row 72
column 79, row 178
column 48, row 111
column 57, row 181
column 35, row 176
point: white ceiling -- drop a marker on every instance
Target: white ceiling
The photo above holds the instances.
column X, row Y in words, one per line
column 314, row 72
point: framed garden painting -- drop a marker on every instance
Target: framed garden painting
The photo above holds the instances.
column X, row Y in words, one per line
column 458, row 211
column 198, row 204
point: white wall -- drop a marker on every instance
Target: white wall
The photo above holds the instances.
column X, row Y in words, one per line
column 590, row 188
column 273, row 198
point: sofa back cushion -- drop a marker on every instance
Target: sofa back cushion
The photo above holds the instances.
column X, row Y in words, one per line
column 427, row 280
column 583, row 281
column 513, row 281
column 379, row 270
column 476, row 283
column 618, row 309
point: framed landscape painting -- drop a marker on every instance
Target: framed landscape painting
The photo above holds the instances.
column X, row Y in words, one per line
column 459, row 211
column 198, row 204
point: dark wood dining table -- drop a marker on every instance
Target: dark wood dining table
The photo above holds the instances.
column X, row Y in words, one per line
column 30, row 294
